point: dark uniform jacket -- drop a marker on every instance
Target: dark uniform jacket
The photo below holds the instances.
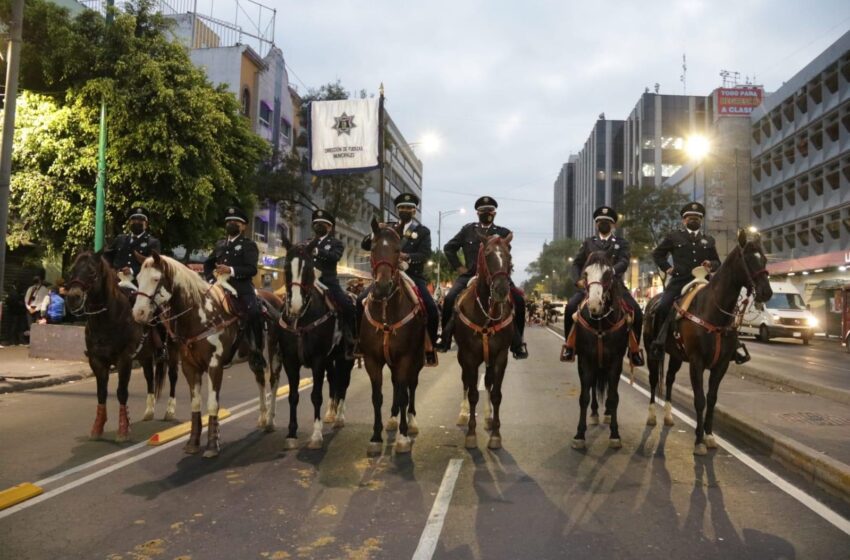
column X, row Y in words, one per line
column 616, row 247
column 240, row 254
column 326, row 254
column 416, row 243
column 467, row 240
column 120, row 253
column 688, row 251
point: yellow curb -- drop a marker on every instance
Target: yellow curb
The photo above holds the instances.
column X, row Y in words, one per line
column 301, row 384
column 17, row 494
column 182, row 429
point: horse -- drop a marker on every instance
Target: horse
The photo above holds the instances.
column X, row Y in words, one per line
column 602, row 336
column 202, row 324
column 113, row 338
column 309, row 335
column 392, row 333
column 484, row 329
column 707, row 336
column 270, row 306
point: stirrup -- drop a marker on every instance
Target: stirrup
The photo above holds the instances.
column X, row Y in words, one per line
column 520, row 353
column 568, row 354
column 742, row 355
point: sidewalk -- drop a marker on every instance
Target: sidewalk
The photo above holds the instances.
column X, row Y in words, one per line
column 19, row 372
column 767, row 408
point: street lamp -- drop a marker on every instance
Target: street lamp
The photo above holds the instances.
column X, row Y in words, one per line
column 442, row 213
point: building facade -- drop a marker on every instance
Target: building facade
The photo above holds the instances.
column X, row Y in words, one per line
column 563, row 214
column 801, row 177
column 598, row 174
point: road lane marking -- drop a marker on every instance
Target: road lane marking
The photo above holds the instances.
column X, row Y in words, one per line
column 434, row 526
column 17, row 494
column 824, row 511
column 181, row 430
column 120, row 465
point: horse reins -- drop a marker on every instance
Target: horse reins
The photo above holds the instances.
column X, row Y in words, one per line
column 81, row 310
column 300, row 331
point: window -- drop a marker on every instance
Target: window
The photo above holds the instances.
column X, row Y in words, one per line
column 649, row 143
column 672, row 143
column 648, row 170
column 246, row 102
column 265, row 114
column 669, row 169
column 285, row 129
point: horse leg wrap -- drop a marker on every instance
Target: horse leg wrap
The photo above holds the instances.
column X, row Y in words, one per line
column 123, row 424
column 99, row 422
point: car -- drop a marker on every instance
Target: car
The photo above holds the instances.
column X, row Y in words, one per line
column 784, row 315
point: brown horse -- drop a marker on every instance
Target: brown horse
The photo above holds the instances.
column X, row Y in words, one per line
column 392, row 333
column 203, row 325
column 114, row 339
column 708, row 333
column 485, row 323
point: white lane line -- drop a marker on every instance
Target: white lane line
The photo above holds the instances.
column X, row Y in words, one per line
column 434, row 526
column 824, row 511
column 112, row 468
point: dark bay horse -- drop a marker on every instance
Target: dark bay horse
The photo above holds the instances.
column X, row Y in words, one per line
column 708, row 331
column 205, row 329
column 392, row 333
column 113, row 338
column 308, row 335
column 602, row 337
column 484, row 313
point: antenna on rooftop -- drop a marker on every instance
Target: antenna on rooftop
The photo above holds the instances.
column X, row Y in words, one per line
column 684, row 76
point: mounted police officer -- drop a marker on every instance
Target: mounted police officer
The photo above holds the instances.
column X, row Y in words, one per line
column 237, row 255
column 327, row 250
column 467, row 240
column 415, row 251
column 121, row 253
column 689, row 247
column 617, row 249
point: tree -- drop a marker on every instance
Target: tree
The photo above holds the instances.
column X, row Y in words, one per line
column 553, row 262
column 176, row 143
column 648, row 213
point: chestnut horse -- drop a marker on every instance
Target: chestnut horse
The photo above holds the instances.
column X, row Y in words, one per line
column 708, row 331
column 308, row 335
column 203, row 326
column 485, row 326
column 392, row 333
column 114, row 339
column 602, row 336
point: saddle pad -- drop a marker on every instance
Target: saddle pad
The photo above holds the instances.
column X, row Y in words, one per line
column 685, row 300
column 412, row 290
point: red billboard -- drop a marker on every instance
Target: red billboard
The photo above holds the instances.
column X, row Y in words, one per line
column 737, row 101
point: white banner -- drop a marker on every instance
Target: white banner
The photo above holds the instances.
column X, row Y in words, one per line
column 344, row 135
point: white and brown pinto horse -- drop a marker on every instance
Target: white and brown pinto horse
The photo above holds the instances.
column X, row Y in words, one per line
column 204, row 327
column 485, row 327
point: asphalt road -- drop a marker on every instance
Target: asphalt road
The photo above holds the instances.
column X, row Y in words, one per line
column 536, row 498
column 823, row 361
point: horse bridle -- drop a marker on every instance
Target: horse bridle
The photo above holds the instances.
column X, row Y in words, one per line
column 740, row 307
column 488, row 277
column 84, row 287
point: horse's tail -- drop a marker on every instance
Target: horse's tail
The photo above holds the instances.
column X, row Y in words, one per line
column 601, row 383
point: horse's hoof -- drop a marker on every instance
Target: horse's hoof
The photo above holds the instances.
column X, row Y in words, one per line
column 606, row 419
column 463, row 419
column 392, row 424
column 594, row 420
column 700, row 449
column 339, row 422
column 314, row 444
column 191, row 449
column 495, row 442
column 261, row 422
column 121, row 438
column 148, row 415
column 471, row 442
column 668, row 419
column 615, row 443
column 578, row 444
column 651, row 420
column 210, row 453
column 402, row 445
column 330, row 417
column 375, row 447
column 290, row 443
column 269, row 427
column 170, row 416
column 412, row 426
column 171, row 409
column 94, row 436
column 710, row 442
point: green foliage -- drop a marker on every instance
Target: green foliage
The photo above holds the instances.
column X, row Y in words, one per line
column 553, row 261
column 176, row 143
column 446, row 272
column 648, row 214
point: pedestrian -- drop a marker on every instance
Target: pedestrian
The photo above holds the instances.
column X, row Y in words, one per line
column 33, row 299
column 53, row 306
column 17, row 313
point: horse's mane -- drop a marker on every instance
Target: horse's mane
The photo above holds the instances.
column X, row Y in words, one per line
column 726, row 263
column 598, row 257
column 109, row 277
column 194, row 287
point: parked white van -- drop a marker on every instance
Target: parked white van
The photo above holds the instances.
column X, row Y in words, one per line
column 784, row 315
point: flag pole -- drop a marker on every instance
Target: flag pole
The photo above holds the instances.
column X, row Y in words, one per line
column 382, row 152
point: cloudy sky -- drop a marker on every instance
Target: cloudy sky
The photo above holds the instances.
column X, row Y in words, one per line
column 513, row 87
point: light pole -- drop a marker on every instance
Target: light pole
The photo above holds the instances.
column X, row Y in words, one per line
column 442, row 213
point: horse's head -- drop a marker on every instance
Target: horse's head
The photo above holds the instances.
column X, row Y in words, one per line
column 386, row 254
column 494, row 265
column 86, row 279
column 756, row 278
column 155, row 285
column 300, row 276
column 599, row 279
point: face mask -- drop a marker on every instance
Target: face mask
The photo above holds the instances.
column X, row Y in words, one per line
column 405, row 215
column 320, row 229
column 137, row 228
column 604, row 227
column 486, row 218
column 693, row 225
column 231, row 229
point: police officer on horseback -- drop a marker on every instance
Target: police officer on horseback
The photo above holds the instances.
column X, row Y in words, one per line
column 236, row 255
column 327, row 250
column 469, row 242
column 121, row 253
column 617, row 249
column 415, row 251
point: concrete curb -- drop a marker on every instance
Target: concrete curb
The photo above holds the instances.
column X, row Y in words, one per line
column 831, row 393
column 15, row 386
column 827, row 473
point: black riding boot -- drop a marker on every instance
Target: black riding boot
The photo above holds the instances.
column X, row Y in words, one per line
column 657, row 347
column 518, row 347
column 445, row 343
column 742, row 355
column 256, row 360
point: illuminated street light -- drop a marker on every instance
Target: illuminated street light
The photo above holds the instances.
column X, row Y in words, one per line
column 697, row 147
column 753, row 229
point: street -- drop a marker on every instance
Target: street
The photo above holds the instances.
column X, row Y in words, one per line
column 536, row 498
